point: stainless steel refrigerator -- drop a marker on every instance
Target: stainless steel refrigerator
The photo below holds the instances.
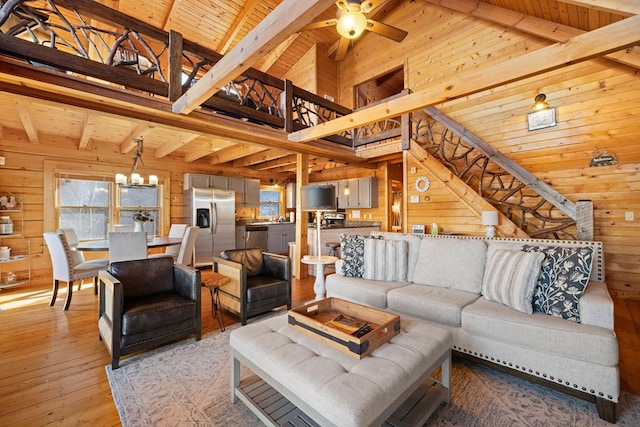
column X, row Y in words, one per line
column 213, row 210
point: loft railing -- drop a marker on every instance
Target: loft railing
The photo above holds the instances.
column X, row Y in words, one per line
column 82, row 37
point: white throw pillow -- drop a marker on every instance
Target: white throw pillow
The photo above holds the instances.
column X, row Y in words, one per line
column 511, row 277
column 385, row 260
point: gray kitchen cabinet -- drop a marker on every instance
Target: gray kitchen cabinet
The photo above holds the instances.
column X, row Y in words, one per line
column 241, row 236
column 201, row 180
column 367, row 192
column 247, row 192
column 279, row 236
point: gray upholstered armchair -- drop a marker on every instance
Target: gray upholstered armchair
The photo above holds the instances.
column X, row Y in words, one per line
column 148, row 302
column 260, row 281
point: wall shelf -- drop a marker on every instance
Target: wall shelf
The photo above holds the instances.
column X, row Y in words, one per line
column 16, row 270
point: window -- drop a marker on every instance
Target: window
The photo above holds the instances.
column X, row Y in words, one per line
column 270, row 203
column 90, row 206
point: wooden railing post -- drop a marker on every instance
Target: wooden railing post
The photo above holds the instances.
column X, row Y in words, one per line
column 287, row 108
column 584, row 219
column 175, row 65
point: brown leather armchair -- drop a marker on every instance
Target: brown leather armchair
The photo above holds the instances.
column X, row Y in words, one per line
column 148, row 302
column 260, row 281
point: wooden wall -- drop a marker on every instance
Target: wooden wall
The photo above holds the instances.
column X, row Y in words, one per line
column 597, row 103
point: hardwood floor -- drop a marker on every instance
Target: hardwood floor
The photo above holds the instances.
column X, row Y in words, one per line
column 53, row 365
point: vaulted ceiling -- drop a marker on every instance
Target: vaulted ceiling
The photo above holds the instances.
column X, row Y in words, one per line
column 221, row 26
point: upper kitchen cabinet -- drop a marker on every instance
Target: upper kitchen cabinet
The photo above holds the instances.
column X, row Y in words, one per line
column 247, row 192
column 362, row 193
column 200, row 180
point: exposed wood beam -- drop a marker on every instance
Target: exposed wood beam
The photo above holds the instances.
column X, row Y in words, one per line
column 128, row 143
column 263, row 156
column 602, row 41
column 232, row 153
column 273, row 56
column 87, row 130
column 215, row 144
column 170, row 147
column 238, row 23
column 619, row 7
column 531, row 25
column 370, row 152
column 27, row 120
column 286, row 19
column 276, row 163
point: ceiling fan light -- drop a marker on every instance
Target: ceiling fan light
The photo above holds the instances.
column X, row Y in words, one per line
column 351, row 24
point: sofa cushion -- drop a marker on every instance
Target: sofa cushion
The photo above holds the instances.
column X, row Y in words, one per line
column 510, row 278
column 368, row 292
column 451, row 263
column 564, row 276
column 413, row 244
column 430, row 303
column 152, row 312
column 251, row 259
column 352, row 253
column 540, row 333
column 385, row 260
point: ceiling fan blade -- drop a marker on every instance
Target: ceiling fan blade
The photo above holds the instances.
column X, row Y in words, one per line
column 320, row 24
column 368, row 5
column 386, row 30
column 343, row 47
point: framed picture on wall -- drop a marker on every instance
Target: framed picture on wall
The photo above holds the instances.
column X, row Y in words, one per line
column 542, row 119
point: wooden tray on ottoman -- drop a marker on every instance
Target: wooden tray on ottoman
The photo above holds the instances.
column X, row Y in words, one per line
column 315, row 319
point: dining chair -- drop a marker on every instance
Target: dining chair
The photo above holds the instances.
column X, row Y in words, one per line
column 63, row 267
column 187, row 247
column 127, row 246
column 123, row 228
column 176, row 230
column 77, row 257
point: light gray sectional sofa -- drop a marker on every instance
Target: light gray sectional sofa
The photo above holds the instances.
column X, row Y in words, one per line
column 518, row 304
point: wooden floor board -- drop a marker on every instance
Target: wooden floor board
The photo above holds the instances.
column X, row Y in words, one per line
column 52, row 364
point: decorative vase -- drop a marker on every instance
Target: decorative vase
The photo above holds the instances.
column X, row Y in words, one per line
column 138, row 226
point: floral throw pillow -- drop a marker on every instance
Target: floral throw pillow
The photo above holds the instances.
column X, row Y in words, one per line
column 564, row 276
column 352, row 254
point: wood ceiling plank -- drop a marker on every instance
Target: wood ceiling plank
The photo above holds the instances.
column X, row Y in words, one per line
column 531, row 25
column 237, row 25
column 287, row 160
column 233, row 153
column 129, row 143
column 620, row 35
column 261, row 157
column 286, row 19
column 621, row 7
column 275, row 54
column 215, row 144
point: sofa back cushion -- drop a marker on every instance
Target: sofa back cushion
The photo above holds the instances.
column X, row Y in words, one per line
column 511, row 277
column 144, row 277
column 385, row 260
column 250, row 258
column 451, row 263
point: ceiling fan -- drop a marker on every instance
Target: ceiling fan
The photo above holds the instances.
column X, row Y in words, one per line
column 351, row 22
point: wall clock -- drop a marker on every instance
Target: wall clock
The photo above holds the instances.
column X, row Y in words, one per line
column 422, row 184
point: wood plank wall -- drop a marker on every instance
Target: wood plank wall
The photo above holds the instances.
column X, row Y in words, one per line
column 597, row 103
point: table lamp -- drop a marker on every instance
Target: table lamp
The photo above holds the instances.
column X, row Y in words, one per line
column 490, row 220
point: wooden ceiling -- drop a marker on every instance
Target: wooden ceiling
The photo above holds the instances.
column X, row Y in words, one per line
column 221, row 25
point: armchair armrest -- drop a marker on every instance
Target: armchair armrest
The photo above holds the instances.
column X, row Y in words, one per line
column 188, row 282
column 236, row 272
column 596, row 306
column 277, row 266
column 110, row 309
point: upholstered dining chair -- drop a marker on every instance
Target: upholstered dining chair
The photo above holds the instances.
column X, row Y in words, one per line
column 127, row 246
column 77, row 257
column 176, row 230
column 64, row 268
column 187, row 247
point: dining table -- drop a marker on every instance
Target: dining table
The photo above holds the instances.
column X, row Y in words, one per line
column 103, row 244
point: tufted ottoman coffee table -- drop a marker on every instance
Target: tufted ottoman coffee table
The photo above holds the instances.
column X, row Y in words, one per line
column 300, row 378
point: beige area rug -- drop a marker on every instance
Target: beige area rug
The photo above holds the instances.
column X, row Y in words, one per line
column 188, row 384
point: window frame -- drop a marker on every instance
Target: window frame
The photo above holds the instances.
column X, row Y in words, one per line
column 280, row 201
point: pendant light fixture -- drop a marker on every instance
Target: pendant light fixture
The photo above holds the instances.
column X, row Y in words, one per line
column 135, row 179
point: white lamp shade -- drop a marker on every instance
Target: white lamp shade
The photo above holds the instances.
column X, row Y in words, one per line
column 489, row 217
column 318, row 198
column 351, row 24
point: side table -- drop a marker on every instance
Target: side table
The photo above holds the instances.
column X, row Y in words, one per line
column 213, row 282
column 319, row 262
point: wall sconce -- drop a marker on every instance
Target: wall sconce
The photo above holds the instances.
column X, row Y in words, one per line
column 490, row 220
column 542, row 116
